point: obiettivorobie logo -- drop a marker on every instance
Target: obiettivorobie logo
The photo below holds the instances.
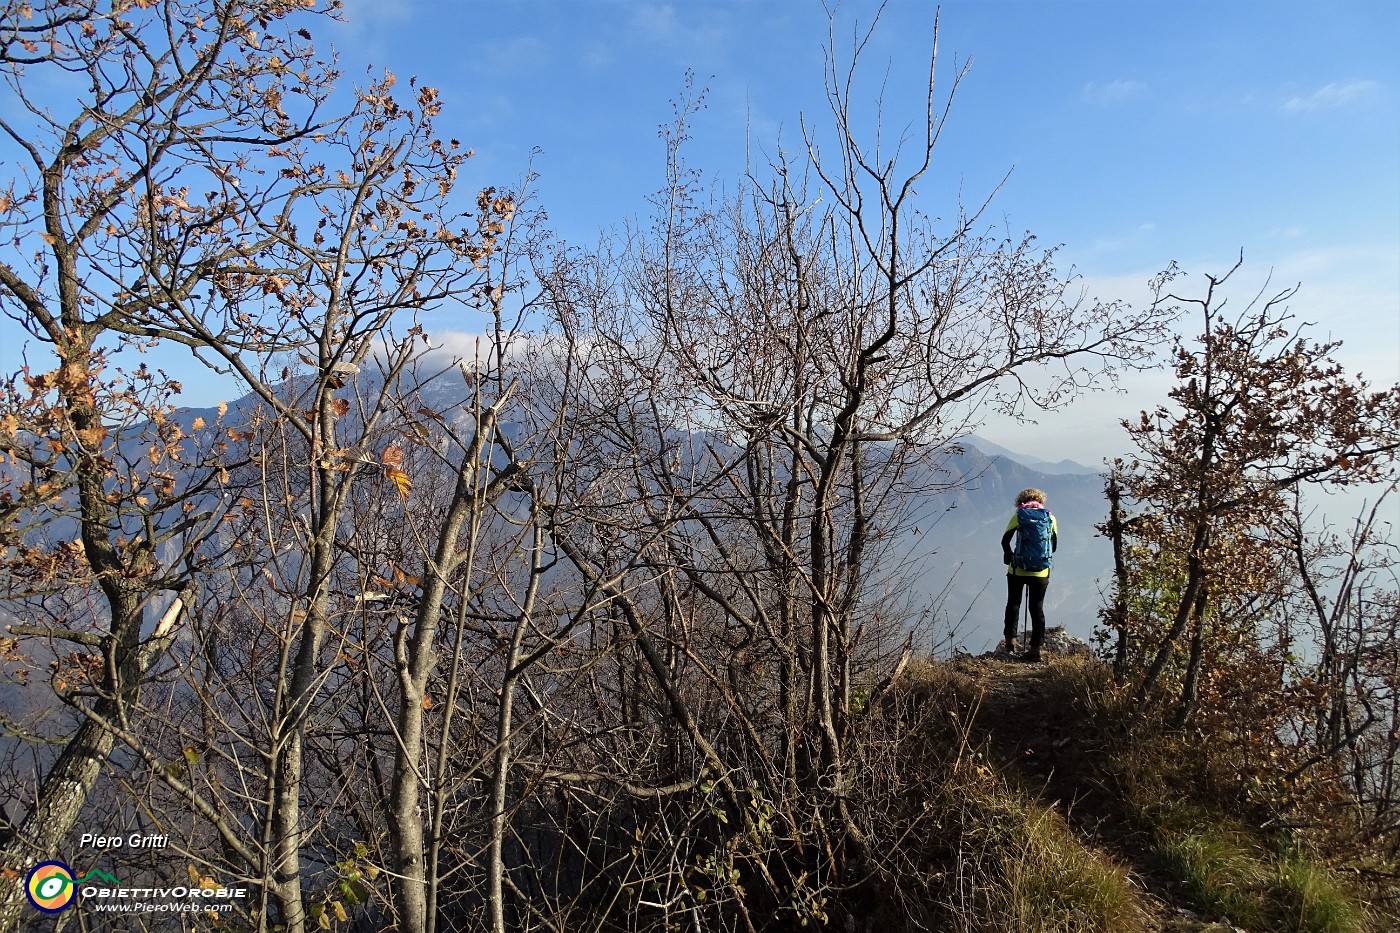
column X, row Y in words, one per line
column 51, row 886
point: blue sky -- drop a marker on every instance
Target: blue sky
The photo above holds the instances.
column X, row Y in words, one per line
column 1136, row 133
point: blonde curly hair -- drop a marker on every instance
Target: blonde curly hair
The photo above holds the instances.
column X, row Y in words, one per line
column 1030, row 495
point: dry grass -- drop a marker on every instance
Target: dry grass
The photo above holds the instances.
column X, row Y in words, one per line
column 999, row 861
column 1003, row 857
column 1175, row 796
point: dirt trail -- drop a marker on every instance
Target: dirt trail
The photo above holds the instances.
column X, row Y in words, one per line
column 1028, row 733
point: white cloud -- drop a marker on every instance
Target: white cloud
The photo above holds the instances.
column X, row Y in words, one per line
column 656, row 22
column 1330, row 96
column 661, row 25
column 373, row 15
column 1350, row 294
column 524, row 53
column 489, row 110
column 456, row 345
column 1114, row 92
column 1124, row 239
column 368, row 24
column 596, row 54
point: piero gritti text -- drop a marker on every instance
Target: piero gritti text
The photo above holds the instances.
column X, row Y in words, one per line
column 133, row 841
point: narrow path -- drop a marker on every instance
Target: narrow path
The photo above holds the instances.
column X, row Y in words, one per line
column 1017, row 711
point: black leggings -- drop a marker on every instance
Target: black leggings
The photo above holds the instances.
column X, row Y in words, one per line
column 1036, row 586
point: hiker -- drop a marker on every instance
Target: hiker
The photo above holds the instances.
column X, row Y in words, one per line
column 1028, row 566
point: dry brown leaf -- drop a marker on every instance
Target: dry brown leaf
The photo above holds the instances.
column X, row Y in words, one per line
column 401, row 480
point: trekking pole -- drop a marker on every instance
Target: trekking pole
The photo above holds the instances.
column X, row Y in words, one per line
column 1025, row 618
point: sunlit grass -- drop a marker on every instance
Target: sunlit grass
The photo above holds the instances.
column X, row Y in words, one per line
column 1225, row 867
column 1321, row 905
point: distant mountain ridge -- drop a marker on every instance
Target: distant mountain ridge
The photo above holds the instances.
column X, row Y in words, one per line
column 955, row 554
column 992, row 449
column 948, row 560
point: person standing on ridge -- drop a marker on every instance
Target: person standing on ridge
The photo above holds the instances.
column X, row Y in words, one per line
column 1028, row 566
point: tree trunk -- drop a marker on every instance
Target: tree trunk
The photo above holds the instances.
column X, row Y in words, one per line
column 64, row 790
column 61, row 799
column 285, row 867
column 500, row 778
column 286, row 843
column 1190, row 686
column 1119, row 619
column 1195, row 581
column 416, row 659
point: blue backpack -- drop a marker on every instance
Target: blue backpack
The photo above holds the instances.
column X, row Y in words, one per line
column 1033, row 545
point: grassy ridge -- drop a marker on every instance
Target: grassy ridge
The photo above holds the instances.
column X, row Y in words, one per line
column 1009, row 860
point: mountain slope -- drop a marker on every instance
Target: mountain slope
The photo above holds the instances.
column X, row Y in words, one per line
column 1065, row 466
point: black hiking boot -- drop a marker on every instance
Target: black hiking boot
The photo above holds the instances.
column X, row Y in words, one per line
column 1032, row 655
column 1010, row 647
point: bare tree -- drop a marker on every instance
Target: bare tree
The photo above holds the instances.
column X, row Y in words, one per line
column 772, row 371
column 1340, row 631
